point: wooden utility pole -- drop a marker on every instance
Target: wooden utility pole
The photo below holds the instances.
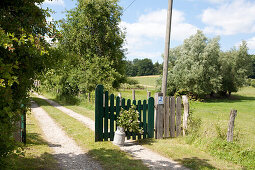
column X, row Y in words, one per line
column 167, row 46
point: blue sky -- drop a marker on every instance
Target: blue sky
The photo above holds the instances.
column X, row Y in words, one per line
column 145, row 23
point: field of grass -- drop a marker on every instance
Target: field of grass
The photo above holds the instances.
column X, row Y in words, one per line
column 37, row 153
column 147, row 81
column 108, row 155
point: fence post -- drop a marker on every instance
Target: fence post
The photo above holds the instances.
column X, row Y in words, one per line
column 166, row 117
column 159, row 115
column 99, row 113
column 89, row 97
column 148, row 95
column 120, row 97
column 133, row 94
column 185, row 101
column 178, row 116
column 151, row 118
column 172, row 117
column 233, row 114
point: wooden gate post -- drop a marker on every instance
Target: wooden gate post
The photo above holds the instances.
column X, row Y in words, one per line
column 159, row 115
column 185, row 101
column 99, row 113
column 233, row 114
column 133, row 94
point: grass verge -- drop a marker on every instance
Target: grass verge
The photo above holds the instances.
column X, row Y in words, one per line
column 37, row 153
column 109, row 155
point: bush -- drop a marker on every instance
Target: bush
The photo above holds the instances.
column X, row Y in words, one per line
column 128, row 120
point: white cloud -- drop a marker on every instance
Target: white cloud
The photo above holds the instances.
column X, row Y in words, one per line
column 151, row 28
column 251, row 43
column 235, row 17
column 54, row 2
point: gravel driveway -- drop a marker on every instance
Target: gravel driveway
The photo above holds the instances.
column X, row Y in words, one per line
column 66, row 151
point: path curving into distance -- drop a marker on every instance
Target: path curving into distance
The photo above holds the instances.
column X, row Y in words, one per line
column 151, row 159
column 68, row 154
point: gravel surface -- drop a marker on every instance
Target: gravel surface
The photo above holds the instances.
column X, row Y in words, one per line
column 151, row 159
column 66, row 151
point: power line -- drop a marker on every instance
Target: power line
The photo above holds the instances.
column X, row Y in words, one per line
column 129, row 6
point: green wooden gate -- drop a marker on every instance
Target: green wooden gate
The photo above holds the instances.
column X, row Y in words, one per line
column 107, row 109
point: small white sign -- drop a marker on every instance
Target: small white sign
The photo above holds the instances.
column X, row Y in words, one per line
column 160, row 100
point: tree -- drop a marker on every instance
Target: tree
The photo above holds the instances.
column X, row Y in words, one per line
column 91, row 31
column 194, row 66
column 158, row 68
column 24, row 54
column 236, row 66
column 144, row 66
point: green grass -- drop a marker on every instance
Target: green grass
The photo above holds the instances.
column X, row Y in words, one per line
column 37, row 153
column 109, row 155
column 208, row 149
column 149, row 81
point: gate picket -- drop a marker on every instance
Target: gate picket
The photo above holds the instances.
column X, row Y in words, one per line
column 144, row 120
column 140, row 116
column 111, row 117
column 106, row 118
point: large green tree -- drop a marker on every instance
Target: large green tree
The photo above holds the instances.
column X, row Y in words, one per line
column 195, row 67
column 236, row 66
column 23, row 54
column 91, row 31
column 199, row 67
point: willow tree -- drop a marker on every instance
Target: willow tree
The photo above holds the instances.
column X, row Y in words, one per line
column 92, row 31
column 195, row 66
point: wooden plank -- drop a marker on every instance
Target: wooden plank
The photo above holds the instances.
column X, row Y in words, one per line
column 144, row 120
column 178, row 116
column 230, row 133
column 185, row 101
column 99, row 113
column 117, row 108
column 140, row 115
column 133, row 134
column 167, row 116
column 151, row 118
column 172, row 117
column 128, row 107
column 111, row 117
column 106, row 118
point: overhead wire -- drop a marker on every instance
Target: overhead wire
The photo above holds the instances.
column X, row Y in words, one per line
column 129, row 6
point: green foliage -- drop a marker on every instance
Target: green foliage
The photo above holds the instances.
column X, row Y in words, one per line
column 24, row 54
column 235, row 67
column 92, row 33
column 128, row 120
column 200, row 68
column 142, row 67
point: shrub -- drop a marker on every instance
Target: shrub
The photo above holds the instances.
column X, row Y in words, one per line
column 128, row 120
